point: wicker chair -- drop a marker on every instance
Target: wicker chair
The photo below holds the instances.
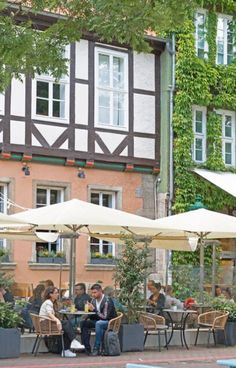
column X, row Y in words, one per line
column 114, row 324
column 155, row 324
column 212, row 321
column 45, row 327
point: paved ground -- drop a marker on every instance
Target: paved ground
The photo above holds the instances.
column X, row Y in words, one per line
column 175, row 357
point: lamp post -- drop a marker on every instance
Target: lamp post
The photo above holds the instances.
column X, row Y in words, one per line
column 195, row 206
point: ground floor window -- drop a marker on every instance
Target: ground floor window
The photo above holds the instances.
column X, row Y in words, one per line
column 101, row 248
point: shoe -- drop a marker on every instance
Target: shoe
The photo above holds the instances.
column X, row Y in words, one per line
column 95, row 352
column 76, row 345
column 88, row 351
column 68, row 354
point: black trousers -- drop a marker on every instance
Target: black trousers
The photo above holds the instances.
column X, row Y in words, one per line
column 86, row 326
column 69, row 333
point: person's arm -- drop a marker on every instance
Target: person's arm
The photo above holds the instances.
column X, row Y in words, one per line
column 160, row 302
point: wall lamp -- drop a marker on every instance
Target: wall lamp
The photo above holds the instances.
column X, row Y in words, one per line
column 26, row 169
column 81, row 174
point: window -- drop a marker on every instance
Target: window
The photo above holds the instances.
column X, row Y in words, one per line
column 50, row 99
column 199, row 128
column 224, row 40
column 3, row 207
column 108, row 200
column 111, row 88
column 45, row 197
column 201, row 44
column 228, row 137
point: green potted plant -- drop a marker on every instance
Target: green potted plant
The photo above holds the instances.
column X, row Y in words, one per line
column 44, row 256
column 130, row 276
column 98, row 258
column 60, row 257
column 4, row 255
column 9, row 333
column 223, row 304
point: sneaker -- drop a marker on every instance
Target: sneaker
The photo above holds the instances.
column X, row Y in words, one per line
column 76, row 345
column 95, row 352
column 68, row 354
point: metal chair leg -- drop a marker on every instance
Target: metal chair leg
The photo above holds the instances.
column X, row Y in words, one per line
column 145, row 338
column 35, row 343
column 37, row 347
column 159, row 340
column 166, row 340
column 197, row 336
column 63, row 346
column 208, row 338
column 214, row 336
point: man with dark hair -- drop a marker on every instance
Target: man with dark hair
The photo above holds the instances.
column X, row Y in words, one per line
column 6, row 296
column 81, row 297
column 104, row 310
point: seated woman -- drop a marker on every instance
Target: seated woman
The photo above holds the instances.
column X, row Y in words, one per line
column 33, row 306
column 156, row 302
column 48, row 309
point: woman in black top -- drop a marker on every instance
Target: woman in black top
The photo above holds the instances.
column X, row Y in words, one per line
column 156, row 302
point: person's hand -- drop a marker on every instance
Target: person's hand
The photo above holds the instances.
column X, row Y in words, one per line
column 91, row 307
column 59, row 326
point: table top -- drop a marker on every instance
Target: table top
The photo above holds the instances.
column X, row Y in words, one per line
column 76, row 313
column 179, row 310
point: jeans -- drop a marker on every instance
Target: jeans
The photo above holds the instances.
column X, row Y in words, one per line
column 100, row 327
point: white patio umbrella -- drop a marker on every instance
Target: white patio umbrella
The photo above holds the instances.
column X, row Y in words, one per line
column 6, row 220
column 202, row 223
column 76, row 216
column 29, row 235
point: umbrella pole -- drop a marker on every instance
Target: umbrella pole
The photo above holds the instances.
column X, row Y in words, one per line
column 72, row 265
column 201, row 289
column 213, row 282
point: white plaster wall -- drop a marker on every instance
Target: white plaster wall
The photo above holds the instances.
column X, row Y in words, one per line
column 112, row 141
column 2, row 101
column 50, row 133
column 144, row 71
column 81, row 59
column 17, row 132
column 144, row 113
column 18, row 97
column 144, row 147
column 81, row 104
column 98, row 148
column 81, row 140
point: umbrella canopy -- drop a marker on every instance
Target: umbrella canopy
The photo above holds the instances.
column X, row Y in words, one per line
column 33, row 236
column 6, row 220
column 201, row 222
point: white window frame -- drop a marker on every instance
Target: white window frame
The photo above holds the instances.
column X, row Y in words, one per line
column 59, row 242
column 3, row 199
column 225, row 18
column 111, row 53
column 204, row 13
column 113, row 194
column 198, row 135
column 225, row 139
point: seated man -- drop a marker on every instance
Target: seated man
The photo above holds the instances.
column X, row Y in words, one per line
column 81, row 297
column 171, row 300
column 6, row 296
column 104, row 310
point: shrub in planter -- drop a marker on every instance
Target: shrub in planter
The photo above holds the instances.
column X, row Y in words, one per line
column 9, row 333
column 130, row 275
column 221, row 303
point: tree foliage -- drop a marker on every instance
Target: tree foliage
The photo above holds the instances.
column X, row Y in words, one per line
column 26, row 50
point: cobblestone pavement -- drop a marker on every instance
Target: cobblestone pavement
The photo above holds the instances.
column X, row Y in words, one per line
column 175, row 357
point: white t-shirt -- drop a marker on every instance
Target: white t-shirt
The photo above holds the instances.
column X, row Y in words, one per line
column 98, row 303
column 46, row 308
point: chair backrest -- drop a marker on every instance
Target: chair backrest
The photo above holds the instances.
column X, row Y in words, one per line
column 217, row 319
column 150, row 321
column 114, row 324
column 220, row 321
column 44, row 326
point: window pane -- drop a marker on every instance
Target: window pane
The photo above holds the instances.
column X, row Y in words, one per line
column 106, row 247
column 107, row 200
column 198, row 121
column 228, row 153
column 198, row 149
column 118, row 109
column 58, row 91
column 2, row 200
column 41, row 197
column 56, row 109
column 104, row 70
column 42, row 107
column 55, row 196
column 228, row 126
column 95, row 198
column 42, row 89
column 118, row 72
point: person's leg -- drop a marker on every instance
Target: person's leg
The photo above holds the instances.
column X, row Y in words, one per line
column 68, row 329
column 100, row 328
column 85, row 326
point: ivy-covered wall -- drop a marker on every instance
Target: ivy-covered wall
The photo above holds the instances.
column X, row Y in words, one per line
column 201, row 82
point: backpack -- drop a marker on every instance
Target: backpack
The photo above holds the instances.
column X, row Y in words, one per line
column 111, row 343
column 53, row 343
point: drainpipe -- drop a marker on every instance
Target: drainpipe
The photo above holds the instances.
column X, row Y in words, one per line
column 171, row 50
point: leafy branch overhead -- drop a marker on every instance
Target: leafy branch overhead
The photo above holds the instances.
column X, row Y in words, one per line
column 24, row 49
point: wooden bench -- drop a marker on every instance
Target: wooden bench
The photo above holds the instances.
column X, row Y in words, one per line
column 227, row 362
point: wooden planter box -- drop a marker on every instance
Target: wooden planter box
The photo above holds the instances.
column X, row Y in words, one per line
column 9, row 343
column 102, row 261
column 131, row 337
column 45, row 259
column 59, row 260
